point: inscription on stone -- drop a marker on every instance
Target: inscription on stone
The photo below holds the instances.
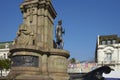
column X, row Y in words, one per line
column 25, row 61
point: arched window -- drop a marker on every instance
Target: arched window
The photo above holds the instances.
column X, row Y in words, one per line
column 108, row 56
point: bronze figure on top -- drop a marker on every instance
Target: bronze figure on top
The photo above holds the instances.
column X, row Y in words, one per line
column 59, row 31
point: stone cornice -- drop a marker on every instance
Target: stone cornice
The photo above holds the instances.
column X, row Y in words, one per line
column 6, row 49
column 38, row 50
column 102, row 47
column 39, row 4
column 60, row 52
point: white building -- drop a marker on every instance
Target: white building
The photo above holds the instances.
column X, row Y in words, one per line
column 4, row 50
column 108, row 51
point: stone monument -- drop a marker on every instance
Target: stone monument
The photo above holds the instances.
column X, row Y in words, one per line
column 33, row 54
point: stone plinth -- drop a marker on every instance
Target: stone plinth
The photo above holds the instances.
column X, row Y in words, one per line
column 39, row 64
column 57, row 64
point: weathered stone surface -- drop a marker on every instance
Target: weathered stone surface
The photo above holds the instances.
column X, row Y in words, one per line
column 37, row 28
column 33, row 77
column 33, row 55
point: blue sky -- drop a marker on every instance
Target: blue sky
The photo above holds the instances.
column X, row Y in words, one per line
column 83, row 21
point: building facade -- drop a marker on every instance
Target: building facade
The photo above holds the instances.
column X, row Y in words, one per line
column 4, row 51
column 81, row 67
column 77, row 69
column 108, row 51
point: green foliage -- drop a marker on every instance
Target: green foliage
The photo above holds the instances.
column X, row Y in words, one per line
column 2, row 46
column 72, row 60
column 5, row 64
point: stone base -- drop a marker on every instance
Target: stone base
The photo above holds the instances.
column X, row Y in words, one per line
column 36, row 77
column 33, row 77
column 32, row 64
column 60, row 76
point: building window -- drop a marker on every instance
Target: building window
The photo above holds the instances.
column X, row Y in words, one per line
column 108, row 42
column 103, row 42
column 119, row 41
column 6, row 45
column 4, row 56
column 113, row 41
column 108, row 57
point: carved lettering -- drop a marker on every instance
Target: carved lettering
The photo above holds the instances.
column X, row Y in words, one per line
column 31, row 61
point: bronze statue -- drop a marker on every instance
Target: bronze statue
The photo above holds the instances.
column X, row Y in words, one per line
column 59, row 32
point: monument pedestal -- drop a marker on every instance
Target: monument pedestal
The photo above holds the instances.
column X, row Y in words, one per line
column 33, row 63
column 33, row 77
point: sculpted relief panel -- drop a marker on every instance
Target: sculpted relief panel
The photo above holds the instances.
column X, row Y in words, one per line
column 25, row 35
column 25, row 61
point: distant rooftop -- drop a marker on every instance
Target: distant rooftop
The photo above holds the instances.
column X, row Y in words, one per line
column 109, row 39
